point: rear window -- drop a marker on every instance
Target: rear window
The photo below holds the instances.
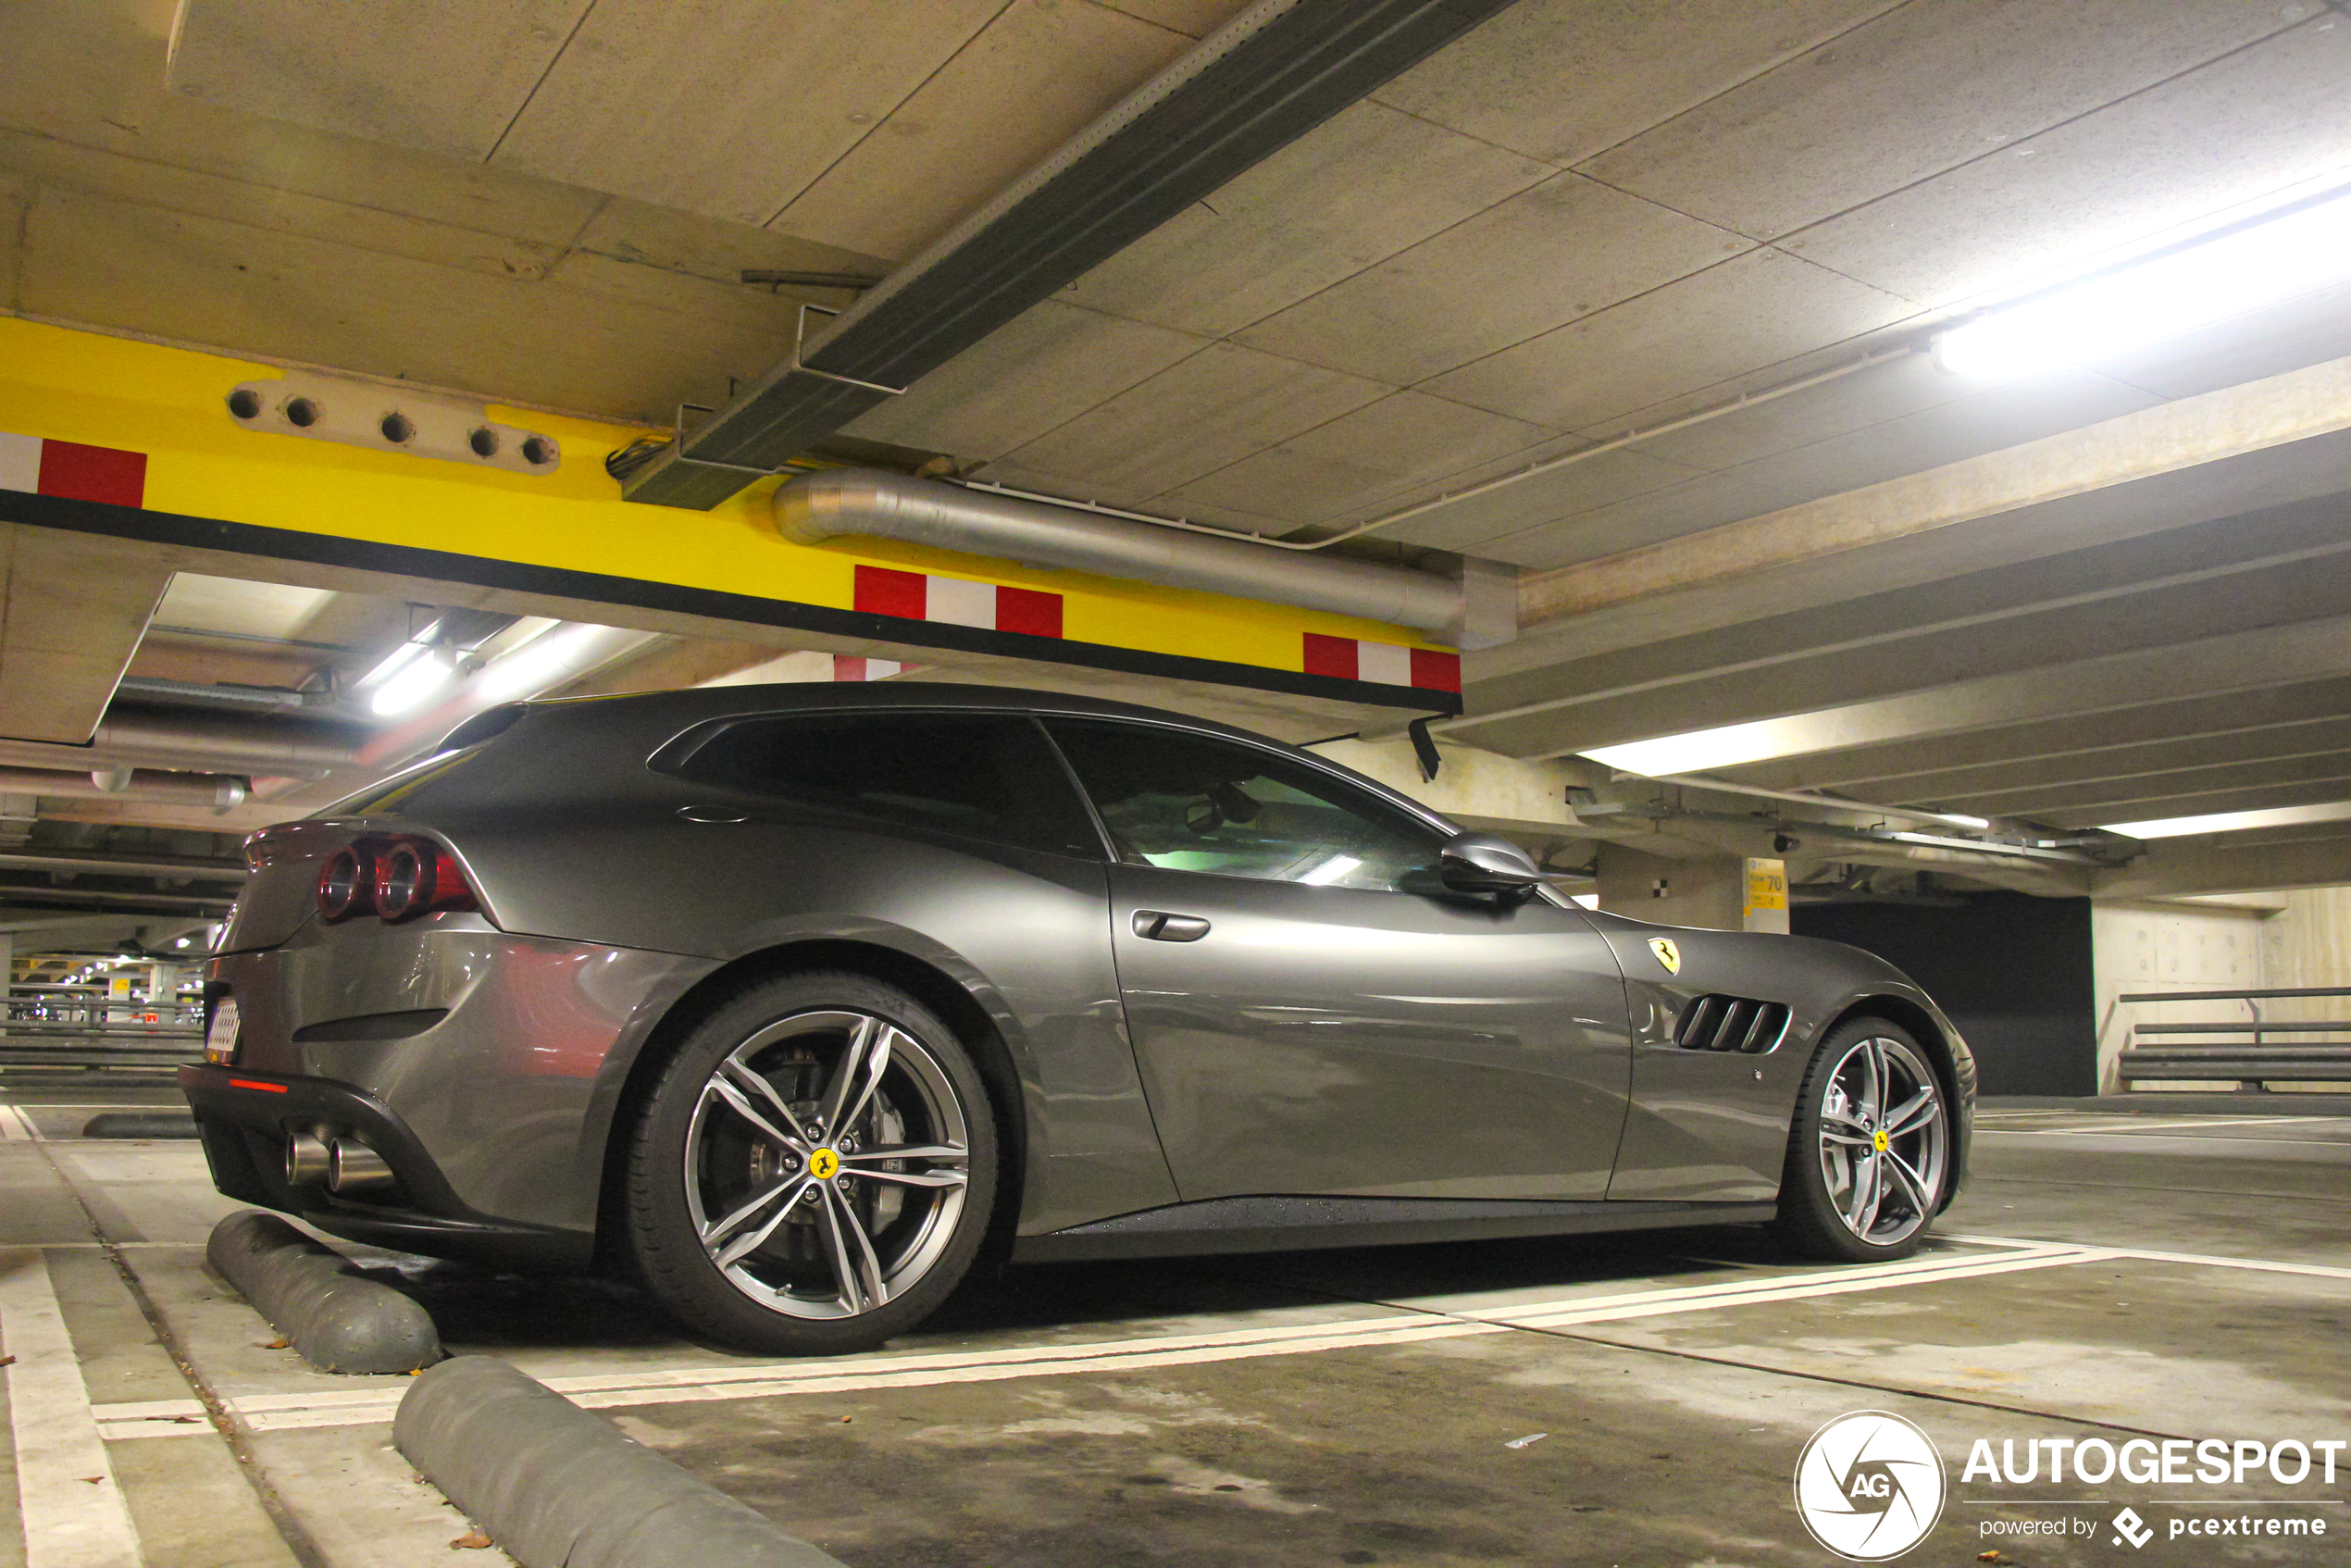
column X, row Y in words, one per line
column 982, row 776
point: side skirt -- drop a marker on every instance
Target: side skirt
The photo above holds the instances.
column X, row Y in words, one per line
column 1296, row 1224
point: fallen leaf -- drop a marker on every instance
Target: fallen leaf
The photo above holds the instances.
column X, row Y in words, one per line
column 472, row 1540
column 94, row 1480
column 8, row 1361
column 1530, row 1437
column 275, row 1344
column 1989, row 1557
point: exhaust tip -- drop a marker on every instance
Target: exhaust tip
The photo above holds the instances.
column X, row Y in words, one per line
column 308, row 1160
column 354, row 1168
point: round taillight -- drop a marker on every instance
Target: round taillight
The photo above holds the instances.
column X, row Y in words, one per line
column 346, row 883
column 405, row 878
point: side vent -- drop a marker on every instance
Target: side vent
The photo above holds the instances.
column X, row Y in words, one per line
column 1731, row 1023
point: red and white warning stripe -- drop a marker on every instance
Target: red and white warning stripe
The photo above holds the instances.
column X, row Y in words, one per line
column 69, row 469
column 916, row 596
column 1383, row 664
column 853, row 666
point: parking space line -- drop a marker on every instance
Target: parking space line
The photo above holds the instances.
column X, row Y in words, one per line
column 17, row 1127
column 70, row 1509
column 2135, row 1126
column 695, row 1384
column 2208, row 1259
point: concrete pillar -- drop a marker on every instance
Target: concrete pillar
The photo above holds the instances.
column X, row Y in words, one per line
column 1719, row 892
column 7, row 974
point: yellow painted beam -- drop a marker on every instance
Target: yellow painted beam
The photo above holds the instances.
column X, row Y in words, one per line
column 168, row 403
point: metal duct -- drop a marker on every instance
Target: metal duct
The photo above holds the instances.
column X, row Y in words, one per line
column 870, row 502
column 192, row 746
column 216, row 791
column 1272, row 74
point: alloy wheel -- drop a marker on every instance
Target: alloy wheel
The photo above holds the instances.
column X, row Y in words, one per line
column 826, row 1164
column 1884, row 1139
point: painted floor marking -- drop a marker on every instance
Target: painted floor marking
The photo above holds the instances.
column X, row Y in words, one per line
column 71, row 1510
column 2130, row 1127
column 17, row 1127
column 692, row 1385
column 2207, row 1260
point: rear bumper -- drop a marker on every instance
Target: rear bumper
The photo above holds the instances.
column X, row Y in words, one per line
column 245, row 1118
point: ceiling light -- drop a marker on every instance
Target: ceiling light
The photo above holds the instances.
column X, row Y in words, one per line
column 416, row 681
column 526, row 671
column 2232, row 821
column 2172, row 291
column 1698, row 751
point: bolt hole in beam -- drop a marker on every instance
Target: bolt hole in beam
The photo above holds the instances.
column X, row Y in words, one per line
column 352, row 411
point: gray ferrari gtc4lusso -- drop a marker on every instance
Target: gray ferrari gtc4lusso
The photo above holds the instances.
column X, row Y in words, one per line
column 803, row 1000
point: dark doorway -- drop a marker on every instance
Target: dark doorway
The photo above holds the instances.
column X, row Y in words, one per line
column 2012, row 971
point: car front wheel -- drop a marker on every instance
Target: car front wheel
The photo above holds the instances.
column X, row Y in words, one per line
column 815, row 1168
column 1870, row 1151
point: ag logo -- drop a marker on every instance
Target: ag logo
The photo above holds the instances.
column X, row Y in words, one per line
column 1667, row 953
column 1869, row 1486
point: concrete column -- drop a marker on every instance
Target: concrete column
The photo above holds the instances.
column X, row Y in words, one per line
column 1719, row 892
column 7, row 972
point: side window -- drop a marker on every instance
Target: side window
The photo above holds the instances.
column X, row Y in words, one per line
column 1191, row 803
column 984, row 776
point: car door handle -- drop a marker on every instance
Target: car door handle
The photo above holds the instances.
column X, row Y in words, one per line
column 1159, row 926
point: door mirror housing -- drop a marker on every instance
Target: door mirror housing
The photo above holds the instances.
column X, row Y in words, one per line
column 1483, row 863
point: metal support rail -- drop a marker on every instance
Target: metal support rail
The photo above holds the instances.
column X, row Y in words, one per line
column 2253, row 1065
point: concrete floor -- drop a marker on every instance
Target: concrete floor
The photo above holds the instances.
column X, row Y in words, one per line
column 2111, row 1274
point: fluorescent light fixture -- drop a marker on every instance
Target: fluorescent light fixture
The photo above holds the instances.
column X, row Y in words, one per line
column 2232, row 821
column 1696, row 751
column 1330, row 870
column 1959, row 819
column 2172, row 291
column 391, row 664
column 416, row 681
column 527, row 670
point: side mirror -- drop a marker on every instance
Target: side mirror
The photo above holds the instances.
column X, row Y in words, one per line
column 1481, row 862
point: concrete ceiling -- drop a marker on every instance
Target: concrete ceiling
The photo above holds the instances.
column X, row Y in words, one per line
column 2079, row 598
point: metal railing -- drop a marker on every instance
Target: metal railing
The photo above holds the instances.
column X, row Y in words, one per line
column 2245, row 1052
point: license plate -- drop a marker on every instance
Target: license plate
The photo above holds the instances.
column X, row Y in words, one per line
column 221, row 1041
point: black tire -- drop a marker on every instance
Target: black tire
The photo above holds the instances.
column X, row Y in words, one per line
column 1841, row 1149
column 700, row 1154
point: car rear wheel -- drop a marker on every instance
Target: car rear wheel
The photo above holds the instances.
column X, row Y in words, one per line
column 815, row 1169
column 1869, row 1152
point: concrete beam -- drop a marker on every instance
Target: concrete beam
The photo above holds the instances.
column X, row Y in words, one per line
column 2108, row 745
column 2219, row 865
column 2127, row 580
column 2314, row 792
column 70, row 618
column 2191, row 432
column 2244, row 661
column 2243, row 774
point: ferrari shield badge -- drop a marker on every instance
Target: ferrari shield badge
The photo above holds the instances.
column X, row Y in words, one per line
column 1667, row 953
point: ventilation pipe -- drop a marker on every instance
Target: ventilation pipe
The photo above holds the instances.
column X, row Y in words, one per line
column 874, row 503
column 183, row 745
column 216, row 791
